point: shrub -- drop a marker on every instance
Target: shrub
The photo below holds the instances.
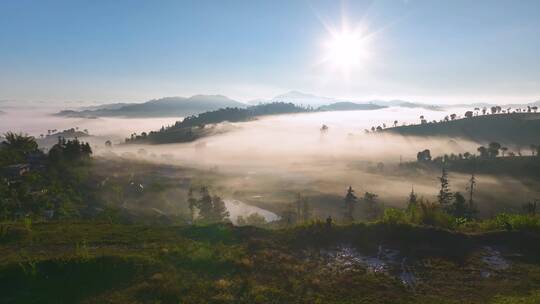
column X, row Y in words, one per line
column 394, row 216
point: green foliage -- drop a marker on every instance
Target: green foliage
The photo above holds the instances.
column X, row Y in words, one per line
column 370, row 208
column 209, row 209
column 254, row 219
column 506, row 221
column 52, row 184
column 533, row 298
column 394, row 216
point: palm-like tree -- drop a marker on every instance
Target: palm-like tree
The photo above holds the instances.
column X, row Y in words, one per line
column 19, row 142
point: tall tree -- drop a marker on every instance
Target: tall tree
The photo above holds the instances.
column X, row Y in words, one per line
column 350, row 202
column 371, row 207
column 219, row 210
column 470, row 189
column 445, row 196
column 204, row 204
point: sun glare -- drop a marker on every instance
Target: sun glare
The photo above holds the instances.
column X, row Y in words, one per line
column 346, row 49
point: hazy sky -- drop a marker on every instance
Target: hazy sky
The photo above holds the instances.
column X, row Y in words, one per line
column 423, row 50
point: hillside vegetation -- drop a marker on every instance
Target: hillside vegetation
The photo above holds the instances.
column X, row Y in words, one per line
column 194, row 127
column 520, row 129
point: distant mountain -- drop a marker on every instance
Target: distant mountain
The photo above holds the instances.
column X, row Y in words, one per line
column 107, row 106
column 297, row 98
column 406, row 104
column 163, row 107
column 350, row 106
column 305, row 99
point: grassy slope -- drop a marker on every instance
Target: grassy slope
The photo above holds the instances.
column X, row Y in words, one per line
column 107, row 263
column 517, row 128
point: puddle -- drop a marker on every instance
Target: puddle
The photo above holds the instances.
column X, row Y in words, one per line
column 386, row 261
column 494, row 260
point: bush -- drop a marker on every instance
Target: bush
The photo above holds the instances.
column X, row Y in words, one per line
column 505, row 221
column 393, row 216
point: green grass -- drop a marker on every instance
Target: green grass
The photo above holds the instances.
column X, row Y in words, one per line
column 89, row 262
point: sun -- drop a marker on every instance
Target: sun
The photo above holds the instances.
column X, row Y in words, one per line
column 346, row 49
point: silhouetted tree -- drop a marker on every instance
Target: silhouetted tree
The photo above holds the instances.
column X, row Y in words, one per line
column 424, row 156
column 469, row 114
column 503, row 150
column 303, row 210
column 445, row 196
column 493, row 149
column 370, row 206
column 350, row 202
column 470, row 187
column 219, row 210
column 483, row 151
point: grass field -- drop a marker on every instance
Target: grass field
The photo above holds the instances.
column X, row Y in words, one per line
column 89, row 262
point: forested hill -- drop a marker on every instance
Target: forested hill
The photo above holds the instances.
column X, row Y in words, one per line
column 194, row 127
column 520, row 129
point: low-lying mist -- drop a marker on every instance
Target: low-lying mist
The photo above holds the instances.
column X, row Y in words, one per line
column 266, row 162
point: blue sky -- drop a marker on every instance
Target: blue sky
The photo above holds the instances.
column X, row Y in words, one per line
column 423, row 50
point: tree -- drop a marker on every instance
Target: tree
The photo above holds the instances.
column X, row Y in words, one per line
column 483, row 151
column 504, row 149
column 445, row 196
column 219, row 210
column 453, row 116
column 459, row 206
column 370, row 206
column 412, row 203
column 493, row 149
column 204, row 204
column 350, row 202
column 470, row 188
column 484, row 110
column 19, row 143
column 289, row 215
column 108, row 144
column 424, row 156
column 303, row 210
column 395, row 123
column 254, row 219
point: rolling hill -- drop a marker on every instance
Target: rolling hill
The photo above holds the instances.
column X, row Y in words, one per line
column 163, row 107
column 520, row 129
column 350, row 106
